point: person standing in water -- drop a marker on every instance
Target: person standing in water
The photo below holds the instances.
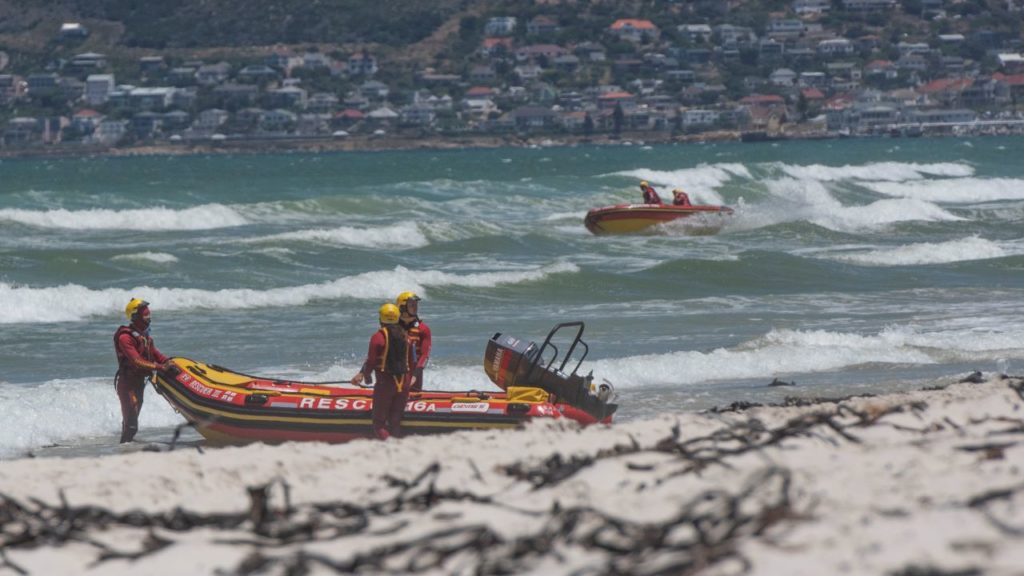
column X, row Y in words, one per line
column 389, row 358
column 137, row 358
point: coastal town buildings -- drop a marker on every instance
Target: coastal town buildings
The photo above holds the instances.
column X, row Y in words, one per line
column 798, row 72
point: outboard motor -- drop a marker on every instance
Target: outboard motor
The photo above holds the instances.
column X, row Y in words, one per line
column 509, row 361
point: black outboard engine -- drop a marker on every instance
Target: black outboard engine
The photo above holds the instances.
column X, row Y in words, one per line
column 510, row 361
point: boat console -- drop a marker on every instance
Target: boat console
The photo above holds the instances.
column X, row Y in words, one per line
column 510, row 361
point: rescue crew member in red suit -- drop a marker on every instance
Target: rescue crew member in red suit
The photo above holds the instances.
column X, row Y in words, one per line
column 389, row 358
column 680, row 198
column 418, row 331
column 650, row 195
column 137, row 358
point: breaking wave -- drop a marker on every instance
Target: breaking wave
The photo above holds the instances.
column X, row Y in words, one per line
column 74, row 302
column 960, row 191
column 203, row 217
column 404, row 235
column 782, row 352
column 962, row 250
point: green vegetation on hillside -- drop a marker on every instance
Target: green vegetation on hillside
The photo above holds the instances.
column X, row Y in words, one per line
column 202, row 23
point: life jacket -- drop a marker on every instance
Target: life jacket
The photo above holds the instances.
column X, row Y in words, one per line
column 650, row 196
column 412, row 329
column 144, row 343
column 395, row 359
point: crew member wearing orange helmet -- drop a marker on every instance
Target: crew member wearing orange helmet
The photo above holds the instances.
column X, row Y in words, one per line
column 137, row 358
column 389, row 358
column 419, row 333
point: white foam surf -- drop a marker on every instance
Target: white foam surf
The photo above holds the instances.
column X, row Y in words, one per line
column 206, row 217
column 699, row 182
column 403, row 235
column 879, row 171
column 959, row 191
column 812, row 201
column 962, row 250
column 72, row 302
column 155, row 257
column 788, row 352
column 60, row 411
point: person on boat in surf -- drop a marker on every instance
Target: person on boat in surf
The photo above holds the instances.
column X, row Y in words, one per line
column 680, row 198
column 390, row 359
column 137, row 358
column 650, row 194
column 417, row 330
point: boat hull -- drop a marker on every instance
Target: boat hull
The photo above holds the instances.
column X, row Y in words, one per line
column 231, row 408
column 636, row 218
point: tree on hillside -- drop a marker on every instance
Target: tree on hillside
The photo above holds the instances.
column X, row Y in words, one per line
column 618, row 118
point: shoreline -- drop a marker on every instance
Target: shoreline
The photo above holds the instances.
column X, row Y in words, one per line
column 363, row 143
column 369, row 143
column 917, row 482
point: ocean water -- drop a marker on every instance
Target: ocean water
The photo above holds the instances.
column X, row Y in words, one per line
column 850, row 266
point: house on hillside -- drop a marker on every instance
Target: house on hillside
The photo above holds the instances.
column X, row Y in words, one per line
column 811, row 7
column 72, row 31
column 540, row 52
column 213, row 74
column 86, row 121
column 868, row 5
column 494, row 47
column 783, row 77
column 98, row 88
column 695, row 33
column 542, row 25
column 109, row 132
column 362, row 64
column 278, row 121
column 500, row 26
column 88, row 61
column 635, row 30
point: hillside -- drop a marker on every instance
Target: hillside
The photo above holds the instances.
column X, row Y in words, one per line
column 228, row 23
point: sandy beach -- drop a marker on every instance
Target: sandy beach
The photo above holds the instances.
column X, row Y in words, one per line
column 926, row 482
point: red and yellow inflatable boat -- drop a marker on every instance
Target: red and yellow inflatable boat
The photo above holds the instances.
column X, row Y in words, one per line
column 229, row 407
column 633, row 218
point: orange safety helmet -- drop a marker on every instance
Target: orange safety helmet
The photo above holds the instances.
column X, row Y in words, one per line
column 389, row 314
column 133, row 307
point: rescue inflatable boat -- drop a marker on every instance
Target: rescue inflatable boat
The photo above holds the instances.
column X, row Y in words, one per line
column 632, row 218
column 229, row 407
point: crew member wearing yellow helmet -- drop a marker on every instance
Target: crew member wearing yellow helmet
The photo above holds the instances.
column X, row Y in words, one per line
column 389, row 358
column 650, row 194
column 137, row 358
column 419, row 333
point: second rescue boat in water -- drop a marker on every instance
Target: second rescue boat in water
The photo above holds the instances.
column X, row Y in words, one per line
column 632, row 218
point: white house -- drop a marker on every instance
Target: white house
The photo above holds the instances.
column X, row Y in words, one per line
column 500, row 26
column 694, row 118
column 98, row 88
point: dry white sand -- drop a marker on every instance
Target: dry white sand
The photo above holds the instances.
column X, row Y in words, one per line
column 928, row 482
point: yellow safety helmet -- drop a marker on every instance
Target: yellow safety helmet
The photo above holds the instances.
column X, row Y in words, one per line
column 405, row 297
column 134, row 305
column 389, row 314
column 644, row 183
